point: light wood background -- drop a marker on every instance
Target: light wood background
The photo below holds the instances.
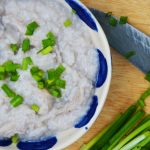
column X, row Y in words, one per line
column 127, row 81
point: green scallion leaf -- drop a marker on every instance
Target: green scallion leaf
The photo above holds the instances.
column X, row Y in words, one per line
column 31, row 27
column 12, row 67
column 41, row 85
column 52, row 37
column 59, row 70
column 37, row 73
column 123, row 20
column 16, row 101
column 14, row 48
column 109, row 14
column 61, row 83
column 48, row 42
column 51, row 74
column 26, row 45
column 147, row 76
column 8, row 91
column 15, row 139
column 56, row 92
column 26, row 62
column 68, row 23
column 113, row 21
column 130, row 54
column 35, row 107
column 46, row 50
column 73, row 11
column 2, row 69
column 14, row 76
column 2, row 76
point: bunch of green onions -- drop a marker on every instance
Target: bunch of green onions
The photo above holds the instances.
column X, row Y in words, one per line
column 50, row 80
column 130, row 131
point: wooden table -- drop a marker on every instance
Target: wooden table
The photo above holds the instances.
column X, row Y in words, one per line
column 127, row 81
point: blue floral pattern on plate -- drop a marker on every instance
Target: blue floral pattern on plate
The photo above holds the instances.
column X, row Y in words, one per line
column 83, row 14
column 102, row 70
column 86, row 119
column 5, row 142
column 37, row 145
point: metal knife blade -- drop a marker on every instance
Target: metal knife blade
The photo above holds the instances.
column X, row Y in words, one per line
column 126, row 38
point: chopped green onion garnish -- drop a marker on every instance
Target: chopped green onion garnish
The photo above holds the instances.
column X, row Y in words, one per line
column 2, row 69
column 46, row 50
column 35, row 107
column 37, row 73
column 59, row 70
column 52, row 37
column 46, row 43
column 61, row 83
column 26, row 45
column 14, row 48
column 31, row 28
column 8, row 91
column 56, row 92
column 113, row 21
column 68, row 23
column 2, row 76
column 50, row 81
column 123, row 20
column 147, row 77
column 41, row 85
column 15, row 139
column 26, row 62
column 51, row 74
column 130, row 54
column 12, row 67
column 109, row 14
column 73, row 11
column 16, row 101
column 14, row 76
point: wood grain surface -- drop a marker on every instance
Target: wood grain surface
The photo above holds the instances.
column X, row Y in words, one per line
column 127, row 81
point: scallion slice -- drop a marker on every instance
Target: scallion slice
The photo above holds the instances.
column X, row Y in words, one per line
column 15, row 139
column 59, row 70
column 8, row 91
column 16, row 101
column 51, row 74
column 37, row 73
column 26, row 45
column 54, row 91
column 130, row 54
column 2, row 69
column 14, row 48
column 52, row 38
column 73, row 11
column 147, row 77
column 46, row 50
column 113, row 21
column 123, row 20
column 26, row 62
column 35, row 107
column 31, row 27
column 14, row 76
column 61, row 83
column 2, row 76
column 41, row 85
column 68, row 23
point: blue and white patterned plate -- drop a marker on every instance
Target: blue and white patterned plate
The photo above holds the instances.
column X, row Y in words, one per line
column 68, row 137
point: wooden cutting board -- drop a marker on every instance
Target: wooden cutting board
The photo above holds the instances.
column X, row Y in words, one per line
column 127, row 81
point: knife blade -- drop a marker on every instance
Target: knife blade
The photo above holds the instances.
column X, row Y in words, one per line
column 127, row 38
